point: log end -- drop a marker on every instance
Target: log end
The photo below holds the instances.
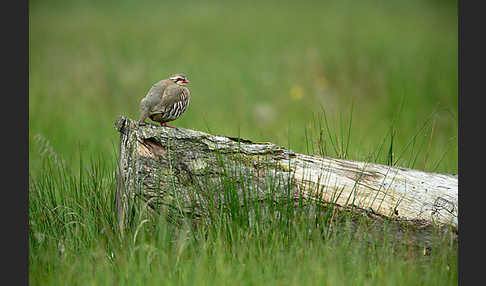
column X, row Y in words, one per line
column 120, row 122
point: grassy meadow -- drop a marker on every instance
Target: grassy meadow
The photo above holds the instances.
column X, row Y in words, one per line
column 363, row 80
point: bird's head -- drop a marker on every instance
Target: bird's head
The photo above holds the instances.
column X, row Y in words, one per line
column 179, row 79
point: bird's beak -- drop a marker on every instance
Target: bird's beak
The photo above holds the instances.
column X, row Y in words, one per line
column 185, row 81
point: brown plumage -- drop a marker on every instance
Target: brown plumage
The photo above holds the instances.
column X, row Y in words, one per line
column 166, row 100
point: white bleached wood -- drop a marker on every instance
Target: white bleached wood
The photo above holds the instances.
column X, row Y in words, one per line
column 389, row 191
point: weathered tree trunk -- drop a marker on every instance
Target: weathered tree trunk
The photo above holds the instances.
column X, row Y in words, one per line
column 169, row 164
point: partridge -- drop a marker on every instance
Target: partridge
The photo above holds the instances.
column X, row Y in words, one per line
column 165, row 101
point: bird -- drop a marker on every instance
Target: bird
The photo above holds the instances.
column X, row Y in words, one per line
column 166, row 100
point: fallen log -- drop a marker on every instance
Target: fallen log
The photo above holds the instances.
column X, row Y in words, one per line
column 163, row 165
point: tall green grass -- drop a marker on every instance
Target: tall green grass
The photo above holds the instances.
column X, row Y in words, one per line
column 74, row 240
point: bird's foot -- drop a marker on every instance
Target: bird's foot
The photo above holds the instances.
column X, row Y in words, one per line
column 165, row 125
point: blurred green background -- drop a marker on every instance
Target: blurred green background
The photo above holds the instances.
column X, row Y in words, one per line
column 261, row 70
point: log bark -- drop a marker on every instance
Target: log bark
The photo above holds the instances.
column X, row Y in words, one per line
column 165, row 165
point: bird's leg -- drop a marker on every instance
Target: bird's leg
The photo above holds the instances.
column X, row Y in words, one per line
column 165, row 125
column 142, row 122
